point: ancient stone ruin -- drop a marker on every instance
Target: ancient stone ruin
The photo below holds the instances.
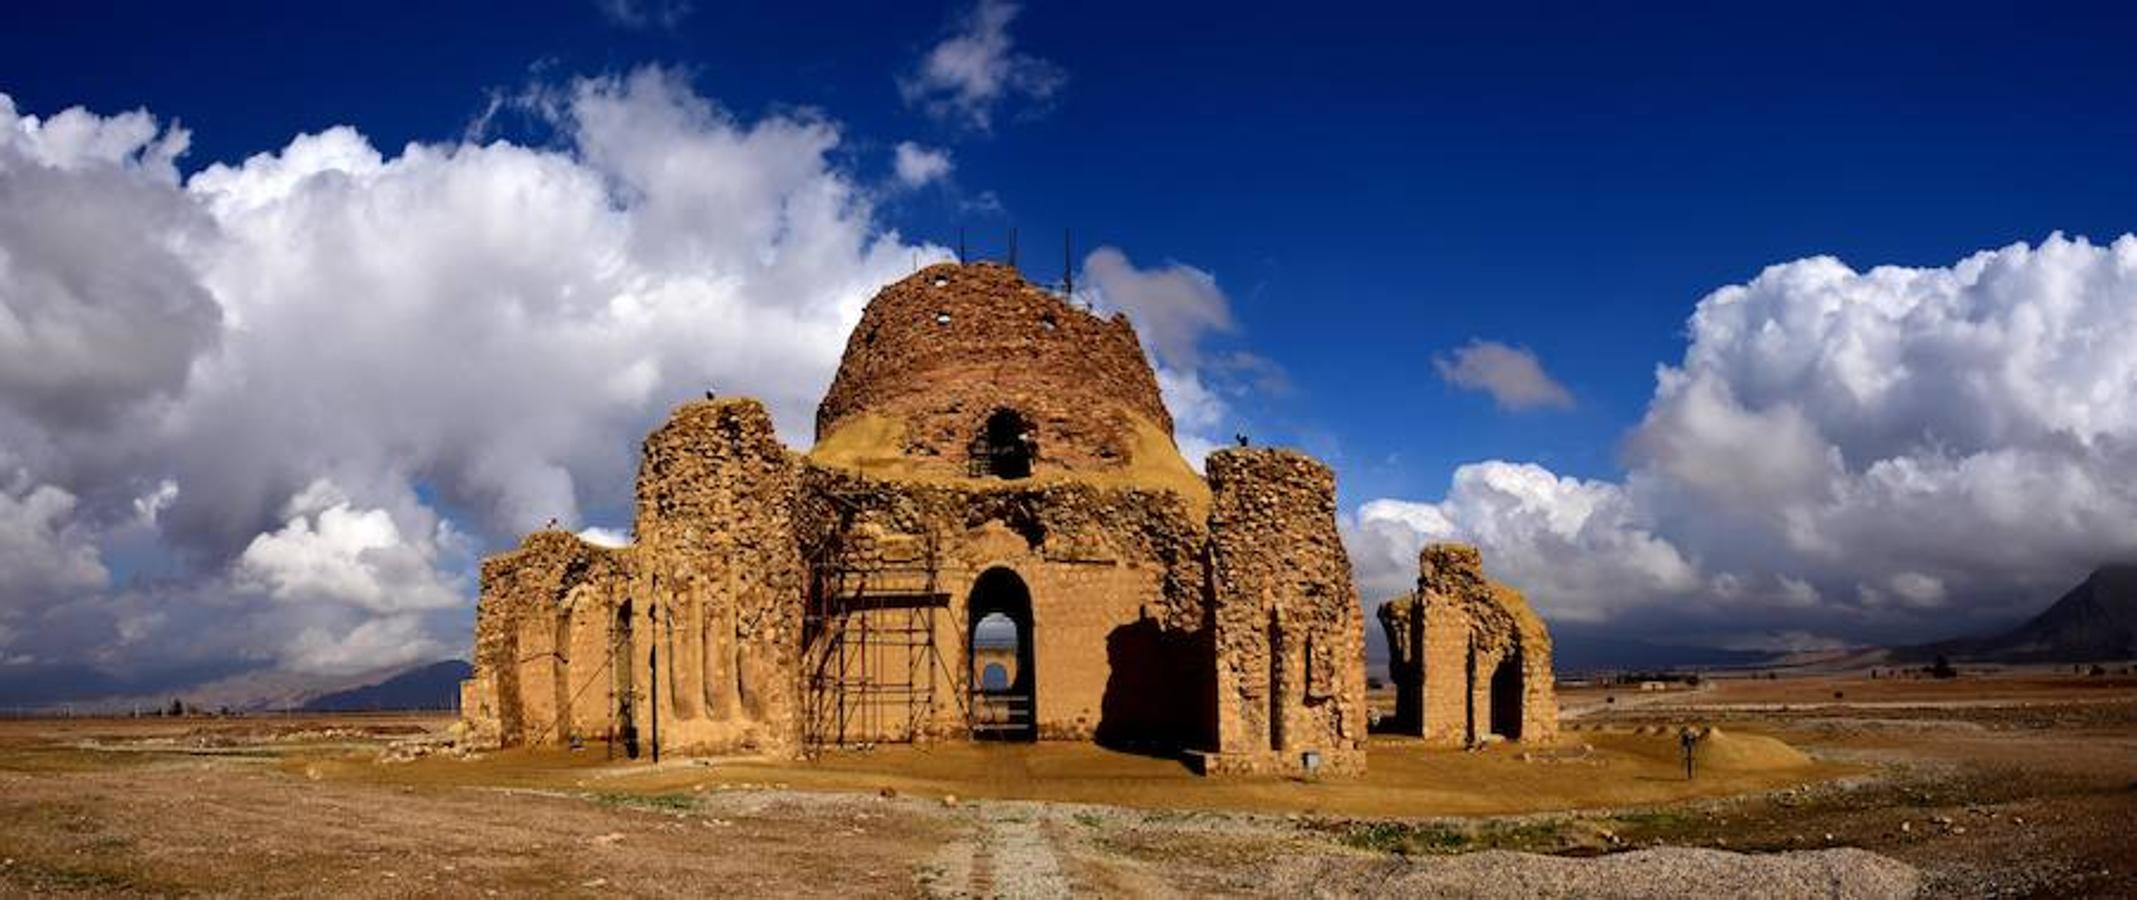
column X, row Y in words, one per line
column 1471, row 663
column 993, row 538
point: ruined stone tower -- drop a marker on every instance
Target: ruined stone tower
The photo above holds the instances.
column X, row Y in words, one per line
column 1470, row 661
column 993, row 538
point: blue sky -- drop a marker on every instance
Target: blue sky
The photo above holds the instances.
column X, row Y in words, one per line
column 1370, row 183
column 1371, row 189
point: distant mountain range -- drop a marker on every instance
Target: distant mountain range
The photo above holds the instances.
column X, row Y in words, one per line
column 2095, row 621
column 434, row 686
column 1577, row 650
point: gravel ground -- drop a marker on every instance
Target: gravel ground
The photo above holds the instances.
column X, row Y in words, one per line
column 2026, row 800
column 1663, row 872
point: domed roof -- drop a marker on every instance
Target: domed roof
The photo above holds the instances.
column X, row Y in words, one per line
column 963, row 366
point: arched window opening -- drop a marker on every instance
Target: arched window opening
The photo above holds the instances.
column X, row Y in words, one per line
column 994, row 678
column 1005, row 447
column 995, row 649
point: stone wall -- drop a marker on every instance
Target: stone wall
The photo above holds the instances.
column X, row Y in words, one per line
column 1114, row 582
column 528, row 682
column 1164, row 613
column 1402, row 619
column 939, row 352
column 720, row 571
column 1289, row 635
column 1470, row 661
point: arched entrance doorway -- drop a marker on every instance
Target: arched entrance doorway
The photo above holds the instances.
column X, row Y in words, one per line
column 999, row 658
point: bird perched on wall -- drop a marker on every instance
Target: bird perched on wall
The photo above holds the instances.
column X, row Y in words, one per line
column 1241, row 437
column 709, row 395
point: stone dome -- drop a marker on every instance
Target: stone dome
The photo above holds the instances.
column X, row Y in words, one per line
column 969, row 370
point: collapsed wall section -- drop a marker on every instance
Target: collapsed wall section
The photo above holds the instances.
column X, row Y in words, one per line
column 720, row 578
column 545, row 644
column 1471, row 662
column 1289, row 633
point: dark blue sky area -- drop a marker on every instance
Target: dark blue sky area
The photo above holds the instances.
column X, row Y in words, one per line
column 1371, row 185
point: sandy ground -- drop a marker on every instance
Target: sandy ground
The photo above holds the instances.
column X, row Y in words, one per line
column 2024, row 785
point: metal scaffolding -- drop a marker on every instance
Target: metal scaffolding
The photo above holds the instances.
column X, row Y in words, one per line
column 871, row 659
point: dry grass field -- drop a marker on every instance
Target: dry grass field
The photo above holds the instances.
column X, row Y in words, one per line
column 2006, row 785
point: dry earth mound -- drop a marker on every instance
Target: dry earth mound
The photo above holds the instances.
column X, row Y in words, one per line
column 1747, row 753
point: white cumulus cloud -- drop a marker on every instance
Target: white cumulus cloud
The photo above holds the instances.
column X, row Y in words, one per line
column 1174, row 306
column 605, row 537
column 42, row 551
column 1513, row 376
column 1586, row 546
column 101, row 309
column 916, row 166
column 332, row 552
column 462, row 339
column 1887, row 454
column 1178, row 310
column 976, row 69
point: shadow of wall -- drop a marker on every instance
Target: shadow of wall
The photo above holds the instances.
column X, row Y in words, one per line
column 1160, row 696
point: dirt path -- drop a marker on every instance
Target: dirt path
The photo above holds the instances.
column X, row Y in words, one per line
column 1024, row 858
column 1011, row 854
column 1002, row 850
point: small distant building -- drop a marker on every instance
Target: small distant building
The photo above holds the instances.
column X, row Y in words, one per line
column 1469, row 659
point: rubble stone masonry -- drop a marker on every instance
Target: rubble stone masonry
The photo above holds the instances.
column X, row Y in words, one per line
column 1469, row 660
column 988, row 448
column 940, row 352
column 721, row 568
column 1290, row 637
